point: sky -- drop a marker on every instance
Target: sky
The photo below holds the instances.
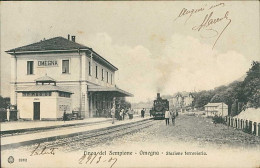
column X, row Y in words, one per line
column 158, row 46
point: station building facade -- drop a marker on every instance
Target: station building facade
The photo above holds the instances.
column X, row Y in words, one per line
column 58, row 75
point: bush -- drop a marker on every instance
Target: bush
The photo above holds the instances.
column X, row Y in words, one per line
column 218, row 120
column 247, row 130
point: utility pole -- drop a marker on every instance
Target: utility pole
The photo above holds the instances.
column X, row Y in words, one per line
column 222, row 109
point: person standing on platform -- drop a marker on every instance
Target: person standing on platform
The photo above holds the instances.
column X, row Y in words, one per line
column 64, row 116
column 113, row 112
column 131, row 113
column 173, row 118
column 117, row 115
column 167, row 116
column 151, row 113
column 8, row 114
column 123, row 114
column 142, row 113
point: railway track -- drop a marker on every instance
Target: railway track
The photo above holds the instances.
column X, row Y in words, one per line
column 97, row 136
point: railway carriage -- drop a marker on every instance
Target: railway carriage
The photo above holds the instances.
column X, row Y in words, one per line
column 159, row 107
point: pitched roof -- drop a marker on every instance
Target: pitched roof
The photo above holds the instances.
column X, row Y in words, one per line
column 56, row 43
column 39, row 88
column 119, row 92
column 45, row 79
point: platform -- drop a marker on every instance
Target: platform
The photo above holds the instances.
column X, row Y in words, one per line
column 23, row 126
column 53, row 134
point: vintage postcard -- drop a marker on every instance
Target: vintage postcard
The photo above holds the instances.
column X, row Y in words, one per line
column 130, row 84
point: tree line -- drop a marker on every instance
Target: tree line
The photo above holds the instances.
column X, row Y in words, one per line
column 238, row 95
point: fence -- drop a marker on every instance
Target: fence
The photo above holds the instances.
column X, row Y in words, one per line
column 243, row 124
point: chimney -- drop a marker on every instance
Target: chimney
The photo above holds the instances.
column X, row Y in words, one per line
column 68, row 37
column 73, row 38
column 158, row 95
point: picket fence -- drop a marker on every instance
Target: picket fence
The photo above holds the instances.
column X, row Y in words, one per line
column 243, row 124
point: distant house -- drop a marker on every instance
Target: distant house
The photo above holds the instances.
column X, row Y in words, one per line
column 219, row 109
column 181, row 100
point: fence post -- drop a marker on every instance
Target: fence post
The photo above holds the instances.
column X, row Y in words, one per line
column 238, row 123
column 254, row 127
column 258, row 132
column 232, row 122
column 250, row 127
column 246, row 124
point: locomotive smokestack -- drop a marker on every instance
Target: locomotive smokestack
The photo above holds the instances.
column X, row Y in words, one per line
column 158, row 95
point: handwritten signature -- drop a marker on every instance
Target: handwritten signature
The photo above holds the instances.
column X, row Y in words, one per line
column 189, row 13
column 43, row 151
column 97, row 159
column 209, row 23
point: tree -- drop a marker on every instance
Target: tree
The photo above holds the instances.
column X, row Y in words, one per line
column 236, row 94
column 217, row 98
column 251, row 86
column 202, row 98
column 234, row 108
column 4, row 102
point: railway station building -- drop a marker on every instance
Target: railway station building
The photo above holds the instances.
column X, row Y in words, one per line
column 58, row 75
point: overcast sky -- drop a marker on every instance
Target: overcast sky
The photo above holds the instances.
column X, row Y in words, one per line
column 154, row 49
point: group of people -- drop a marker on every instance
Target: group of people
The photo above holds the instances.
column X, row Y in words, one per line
column 169, row 115
column 120, row 114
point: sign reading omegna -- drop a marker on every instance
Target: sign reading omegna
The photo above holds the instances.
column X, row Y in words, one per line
column 47, row 63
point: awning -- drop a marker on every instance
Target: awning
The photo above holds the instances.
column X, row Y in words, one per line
column 114, row 91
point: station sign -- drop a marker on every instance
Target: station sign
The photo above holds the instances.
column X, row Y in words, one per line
column 48, row 63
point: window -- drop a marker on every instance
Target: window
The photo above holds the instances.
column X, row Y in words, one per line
column 29, row 67
column 65, row 66
column 89, row 68
column 111, row 78
column 96, row 71
column 107, row 77
column 30, row 94
column 102, row 74
column 63, row 94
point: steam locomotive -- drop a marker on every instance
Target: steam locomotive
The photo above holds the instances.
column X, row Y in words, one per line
column 159, row 107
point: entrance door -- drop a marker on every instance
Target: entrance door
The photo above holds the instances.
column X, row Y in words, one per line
column 36, row 110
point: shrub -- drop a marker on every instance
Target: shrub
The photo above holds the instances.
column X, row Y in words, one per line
column 218, row 120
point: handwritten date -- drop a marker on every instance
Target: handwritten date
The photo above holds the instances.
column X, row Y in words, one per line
column 97, row 159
